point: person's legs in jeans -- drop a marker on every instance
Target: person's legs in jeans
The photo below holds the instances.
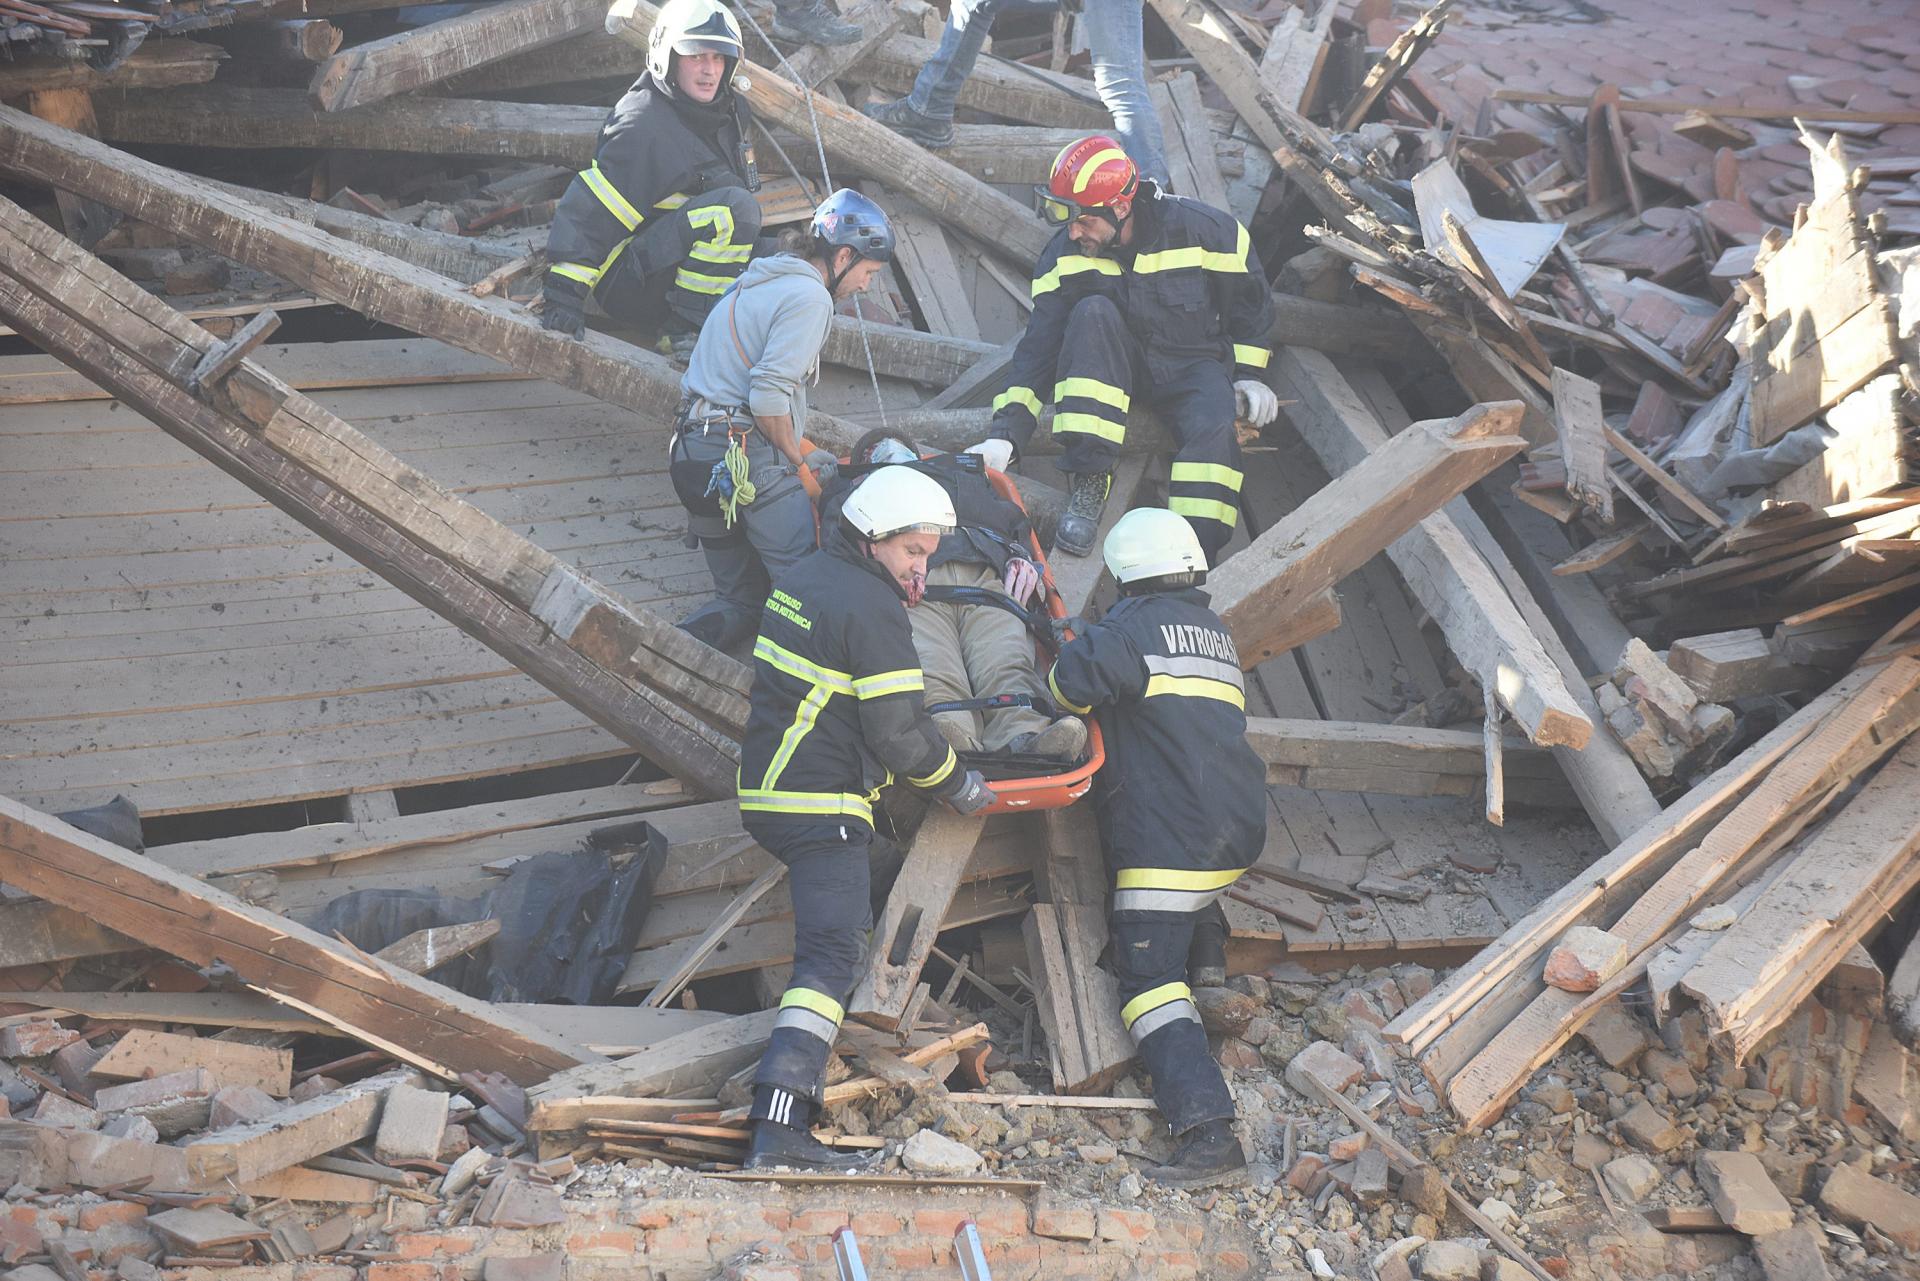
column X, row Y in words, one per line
column 937, row 88
column 1120, row 74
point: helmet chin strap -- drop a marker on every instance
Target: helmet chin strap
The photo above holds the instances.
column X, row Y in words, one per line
column 835, row 277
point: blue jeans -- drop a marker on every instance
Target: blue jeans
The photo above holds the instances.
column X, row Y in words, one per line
column 1119, row 72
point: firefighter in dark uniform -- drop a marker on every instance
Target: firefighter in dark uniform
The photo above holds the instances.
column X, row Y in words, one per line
column 837, row 714
column 1140, row 294
column 1182, row 802
column 664, row 219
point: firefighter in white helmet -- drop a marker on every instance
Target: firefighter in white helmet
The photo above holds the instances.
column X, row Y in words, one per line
column 664, row 218
column 1182, row 802
column 838, row 713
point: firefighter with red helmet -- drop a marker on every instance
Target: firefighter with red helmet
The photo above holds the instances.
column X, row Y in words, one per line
column 1141, row 295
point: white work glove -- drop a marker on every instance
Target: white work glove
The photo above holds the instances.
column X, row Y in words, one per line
column 1022, row 580
column 997, row 454
column 1262, row 405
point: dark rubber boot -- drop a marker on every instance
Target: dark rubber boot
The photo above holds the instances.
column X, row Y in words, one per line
column 776, row 1146
column 1080, row 523
column 1208, row 1156
column 900, row 117
column 812, row 23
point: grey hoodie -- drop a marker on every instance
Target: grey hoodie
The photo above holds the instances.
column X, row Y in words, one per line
column 777, row 315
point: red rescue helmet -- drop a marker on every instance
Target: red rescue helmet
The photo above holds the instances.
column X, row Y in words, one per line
column 1092, row 174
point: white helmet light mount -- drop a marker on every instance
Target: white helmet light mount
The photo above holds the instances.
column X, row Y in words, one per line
column 899, row 500
column 1152, row 542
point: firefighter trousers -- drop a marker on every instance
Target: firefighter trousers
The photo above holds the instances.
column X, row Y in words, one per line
column 685, row 259
column 1155, row 914
column 829, row 877
column 1101, row 368
column 767, row 537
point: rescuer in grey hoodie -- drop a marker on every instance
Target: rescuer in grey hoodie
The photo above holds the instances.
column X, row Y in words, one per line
column 736, row 455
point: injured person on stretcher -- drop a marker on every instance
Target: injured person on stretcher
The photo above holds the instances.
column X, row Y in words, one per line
column 971, row 617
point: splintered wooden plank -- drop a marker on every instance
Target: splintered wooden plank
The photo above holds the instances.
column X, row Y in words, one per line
column 925, row 257
column 296, row 1133
column 1848, row 742
column 914, row 914
column 1192, row 157
column 144, row 1052
column 1079, row 1002
column 1658, row 474
column 686, row 1064
column 410, row 60
column 1583, row 450
column 1295, row 53
column 414, row 1020
column 1813, row 909
column 1442, row 569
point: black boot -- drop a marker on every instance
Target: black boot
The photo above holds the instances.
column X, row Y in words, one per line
column 900, row 117
column 786, row 1143
column 811, row 22
column 1208, row 1156
column 1081, row 521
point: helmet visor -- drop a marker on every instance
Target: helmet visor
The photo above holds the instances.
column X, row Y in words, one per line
column 690, row 45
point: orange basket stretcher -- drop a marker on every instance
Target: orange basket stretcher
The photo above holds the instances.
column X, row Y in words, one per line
column 1021, row 793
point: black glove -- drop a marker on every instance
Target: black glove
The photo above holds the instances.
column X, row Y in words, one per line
column 564, row 314
column 1060, row 626
column 974, row 794
column 824, row 467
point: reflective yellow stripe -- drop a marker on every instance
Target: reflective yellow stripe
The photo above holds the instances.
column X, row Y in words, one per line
column 881, row 684
column 938, row 776
column 1092, row 163
column 1062, row 699
column 1195, row 687
column 1207, row 474
column 719, row 246
column 1153, row 999
column 1093, row 389
column 794, row 665
column 588, row 276
column 1205, row 509
column 818, row 804
column 1252, row 357
column 1071, row 265
column 804, row 718
column 1195, row 256
column 1017, row 396
column 609, row 195
column 673, row 201
column 721, row 253
column 1091, row 425
column 1174, row 878
column 819, row 1002
column 693, row 282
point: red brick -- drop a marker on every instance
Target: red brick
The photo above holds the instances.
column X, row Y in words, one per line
column 939, row 1223
column 1066, row 1220
column 324, row 1272
column 676, row 1243
column 612, row 1243
column 1124, row 1225
column 903, row 1256
column 425, row 1245
column 817, row 1223
column 99, row 1216
column 1232, row 1260
column 872, row 1223
column 20, row 1234
column 1014, row 1259
column 652, row 1217
column 403, row 1272
column 1001, row 1220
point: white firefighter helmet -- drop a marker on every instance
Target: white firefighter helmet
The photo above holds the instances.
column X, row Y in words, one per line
column 1152, row 542
column 691, row 26
column 899, row 500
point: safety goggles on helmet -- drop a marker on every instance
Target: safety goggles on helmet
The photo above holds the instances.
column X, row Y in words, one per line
column 691, row 44
column 1060, row 211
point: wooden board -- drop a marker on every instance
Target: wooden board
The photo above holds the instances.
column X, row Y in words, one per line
column 412, row 59
column 144, row 1053
column 1079, row 1003
column 915, row 909
column 1583, row 450
column 416, row 1021
column 296, row 1133
column 1192, row 156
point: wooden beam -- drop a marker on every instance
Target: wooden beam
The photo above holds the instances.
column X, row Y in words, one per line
column 1260, row 589
column 872, row 150
column 1079, row 1002
column 612, row 661
column 416, row 1021
column 915, row 913
column 161, row 64
column 687, row 1064
column 1444, row 572
column 374, row 284
column 1727, row 111
column 410, row 60
column 298, row 1132
column 1401, row 760
column 1011, row 90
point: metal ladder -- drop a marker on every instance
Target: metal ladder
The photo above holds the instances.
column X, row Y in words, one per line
column 966, row 1249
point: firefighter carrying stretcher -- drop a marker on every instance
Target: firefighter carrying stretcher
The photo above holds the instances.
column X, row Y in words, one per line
column 838, row 712
column 1182, row 806
column 1146, row 295
column 664, row 219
